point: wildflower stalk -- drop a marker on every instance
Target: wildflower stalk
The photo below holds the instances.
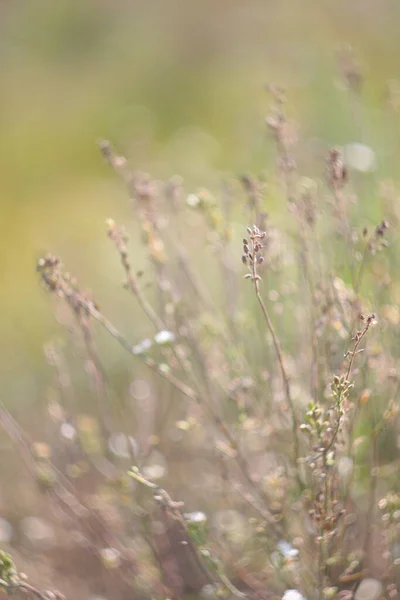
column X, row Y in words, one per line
column 120, row 238
column 324, row 426
column 253, row 258
column 337, row 176
column 285, row 377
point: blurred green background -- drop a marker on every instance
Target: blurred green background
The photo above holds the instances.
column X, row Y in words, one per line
column 179, row 87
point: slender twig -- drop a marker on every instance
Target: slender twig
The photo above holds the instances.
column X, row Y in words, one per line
column 337, row 176
column 27, row 588
column 47, row 595
column 358, row 339
column 253, row 259
column 284, row 374
column 119, row 238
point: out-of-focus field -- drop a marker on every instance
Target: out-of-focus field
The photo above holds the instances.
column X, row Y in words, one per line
column 178, row 87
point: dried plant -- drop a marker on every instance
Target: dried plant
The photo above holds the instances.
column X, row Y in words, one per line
column 281, row 401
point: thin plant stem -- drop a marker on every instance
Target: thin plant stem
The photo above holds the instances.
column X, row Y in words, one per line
column 284, row 374
column 132, row 283
column 27, row 588
column 252, row 258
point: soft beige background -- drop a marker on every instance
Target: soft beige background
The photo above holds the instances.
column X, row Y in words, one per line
column 178, row 87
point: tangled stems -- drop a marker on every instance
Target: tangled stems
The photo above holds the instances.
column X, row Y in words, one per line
column 201, row 554
column 61, row 284
column 120, row 239
column 324, row 426
column 346, row 385
column 12, row 581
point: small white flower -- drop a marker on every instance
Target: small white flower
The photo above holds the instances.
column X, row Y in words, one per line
column 146, row 344
column 164, row 338
column 68, row 431
column 122, row 445
column 196, row 517
column 287, row 549
column 345, row 466
column 193, row 200
column 330, row 459
column 360, row 157
column 369, row 589
column 293, row 595
column 142, row 347
column 110, row 557
column 209, row 591
column 154, row 472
